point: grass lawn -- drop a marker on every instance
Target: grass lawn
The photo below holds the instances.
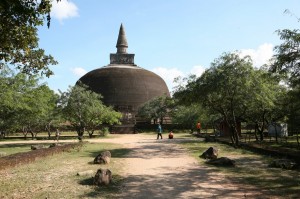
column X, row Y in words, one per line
column 55, row 176
column 251, row 169
column 9, row 149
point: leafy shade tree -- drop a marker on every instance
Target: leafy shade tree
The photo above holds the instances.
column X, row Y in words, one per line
column 267, row 101
column 224, row 88
column 19, row 47
column 85, row 110
column 25, row 104
column 286, row 61
column 189, row 115
column 156, row 108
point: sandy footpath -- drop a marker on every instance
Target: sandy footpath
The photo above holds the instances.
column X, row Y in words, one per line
column 161, row 169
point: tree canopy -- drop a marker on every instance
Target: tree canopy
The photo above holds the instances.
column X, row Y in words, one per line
column 25, row 104
column 19, row 38
column 287, row 57
column 84, row 109
column 156, row 108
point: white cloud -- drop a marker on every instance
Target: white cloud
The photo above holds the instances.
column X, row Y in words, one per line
column 63, row 9
column 261, row 55
column 197, row 70
column 169, row 74
column 78, row 71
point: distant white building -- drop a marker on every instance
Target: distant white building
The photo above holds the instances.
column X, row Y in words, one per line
column 280, row 129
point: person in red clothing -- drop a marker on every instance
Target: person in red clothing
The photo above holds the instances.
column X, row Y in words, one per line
column 198, row 126
column 171, row 135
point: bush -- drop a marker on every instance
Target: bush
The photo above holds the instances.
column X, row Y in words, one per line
column 104, row 131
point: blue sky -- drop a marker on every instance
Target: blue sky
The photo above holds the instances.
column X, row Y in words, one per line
column 169, row 37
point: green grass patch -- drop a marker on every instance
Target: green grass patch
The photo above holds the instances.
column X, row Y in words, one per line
column 55, row 176
column 9, row 149
column 252, row 169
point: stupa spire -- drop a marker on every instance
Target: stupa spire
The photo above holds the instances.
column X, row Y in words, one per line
column 122, row 41
column 122, row 57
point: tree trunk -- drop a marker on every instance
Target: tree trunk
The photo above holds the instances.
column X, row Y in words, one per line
column 255, row 131
column 90, row 132
column 32, row 134
column 25, row 132
column 80, row 131
column 276, row 134
column 48, row 129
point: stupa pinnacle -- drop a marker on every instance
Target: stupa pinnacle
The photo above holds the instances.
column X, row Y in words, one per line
column 122, row 44
column 122, row 57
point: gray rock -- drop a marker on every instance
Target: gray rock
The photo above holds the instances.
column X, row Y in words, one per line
column 223, row 161
column 210, row 153
column 103, row 177
column 103, row 158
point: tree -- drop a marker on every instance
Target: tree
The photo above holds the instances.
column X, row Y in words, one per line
column 287, row 57
column 286, row 61
column 19, row 39
column 85, row 110
column 35, row 103
column 156, row 108
column 224, row 88
column 186, row 115
column 266, row 101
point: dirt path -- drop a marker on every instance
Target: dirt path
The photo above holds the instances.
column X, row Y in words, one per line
column 161, row 169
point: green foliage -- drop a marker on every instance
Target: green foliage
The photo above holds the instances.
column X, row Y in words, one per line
column 19, row 38
column 267, row 102
column 286, row 62
column 186, row 115
column 224, row 88
column 287, row 57
column 234, row 90
column 189, row 115
column 25, row 104
column 85, row 110
column 156, row 108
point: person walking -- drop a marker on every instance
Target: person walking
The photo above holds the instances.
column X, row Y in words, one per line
column 159, row 131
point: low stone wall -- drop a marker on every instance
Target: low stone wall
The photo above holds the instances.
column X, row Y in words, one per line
column 31, row 156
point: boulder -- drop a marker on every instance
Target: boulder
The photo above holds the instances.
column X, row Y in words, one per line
column 283, row 163
column 103, row 177
column 223, row 161
column 103, row 158
column 210, row 153
column 106, row 153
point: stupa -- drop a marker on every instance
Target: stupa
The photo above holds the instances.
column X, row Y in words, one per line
column 124, row 85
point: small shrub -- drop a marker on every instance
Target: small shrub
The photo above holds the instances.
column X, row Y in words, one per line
column 104, row 131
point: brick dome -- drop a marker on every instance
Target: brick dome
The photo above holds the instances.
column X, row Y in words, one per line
column 124, row 85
